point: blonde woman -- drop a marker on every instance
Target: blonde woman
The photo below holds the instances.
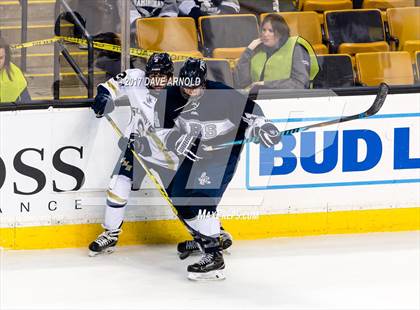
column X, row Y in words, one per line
column 13, row 85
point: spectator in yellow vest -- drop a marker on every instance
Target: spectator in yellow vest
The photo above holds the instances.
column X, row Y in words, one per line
column 276, row 60
column 13, row 85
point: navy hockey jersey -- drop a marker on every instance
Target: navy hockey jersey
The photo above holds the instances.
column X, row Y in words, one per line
column 216, row 117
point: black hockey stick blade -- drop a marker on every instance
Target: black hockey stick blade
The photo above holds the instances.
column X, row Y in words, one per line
column 379, row 100
column 373, row 109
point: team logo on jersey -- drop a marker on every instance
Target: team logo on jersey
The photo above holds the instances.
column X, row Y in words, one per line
column 204, row 179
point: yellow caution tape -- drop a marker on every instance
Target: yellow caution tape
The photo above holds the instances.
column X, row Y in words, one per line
column 107, row 47
column 117, row 49
column 34, row 43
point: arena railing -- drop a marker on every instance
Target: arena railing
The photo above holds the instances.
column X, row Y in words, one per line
column 263, row 95
column 60, row 48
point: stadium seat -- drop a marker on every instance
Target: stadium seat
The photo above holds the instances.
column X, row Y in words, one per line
column 355, row 31
column 256, row 6
column 306, row 25
column 335, row 71
column 226, row 36
column 171, row 34
column 404, row 25
column 217, row 70
column 385, row 4
column 393, row 68
column 321, row 6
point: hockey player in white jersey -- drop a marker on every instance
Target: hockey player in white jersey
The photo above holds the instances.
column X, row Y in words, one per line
column 142, row 89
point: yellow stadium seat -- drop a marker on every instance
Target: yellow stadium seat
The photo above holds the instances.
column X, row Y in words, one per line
column 217, row 70
column 306, row 25
column 386, row 4
column 404, row 25
column 393, row 68
column 226, row 36
column 324, row 5
column 355, row 31
column 228, row 53
column 171, row 34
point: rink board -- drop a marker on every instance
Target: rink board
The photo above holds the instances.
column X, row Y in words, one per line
column 360, row 176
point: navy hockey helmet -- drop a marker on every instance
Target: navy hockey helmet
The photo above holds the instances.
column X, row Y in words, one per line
column 160, row 63
column 193, row 73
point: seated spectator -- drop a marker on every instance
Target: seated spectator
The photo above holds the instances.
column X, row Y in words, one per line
column 276, row 60
column 150, row 8
column 13, row 85
column 98, row 16
column 154, row 8
column 197, row 8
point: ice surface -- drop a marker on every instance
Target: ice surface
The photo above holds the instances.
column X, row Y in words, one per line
column 368, row 271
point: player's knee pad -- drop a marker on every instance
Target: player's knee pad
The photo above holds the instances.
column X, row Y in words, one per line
column 119, row 191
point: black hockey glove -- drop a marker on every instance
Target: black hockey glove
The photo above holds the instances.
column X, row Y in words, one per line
column 103, row 102
column 261, row 131
column 268, row 134
column 216, row 2
column 137, row 143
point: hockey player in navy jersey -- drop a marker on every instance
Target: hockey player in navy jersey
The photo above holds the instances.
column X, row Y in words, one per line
column 203, row 115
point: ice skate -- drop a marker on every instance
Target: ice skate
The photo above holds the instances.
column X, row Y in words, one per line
column 209, row 268
column 105, row 243
column 190, row 247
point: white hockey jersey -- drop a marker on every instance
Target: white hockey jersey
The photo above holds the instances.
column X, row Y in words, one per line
column 132, row 83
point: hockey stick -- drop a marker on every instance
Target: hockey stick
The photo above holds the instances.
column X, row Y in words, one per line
column 374, row 108
column 161, row 189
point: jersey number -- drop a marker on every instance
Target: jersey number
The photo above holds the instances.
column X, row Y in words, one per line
column 208, row 131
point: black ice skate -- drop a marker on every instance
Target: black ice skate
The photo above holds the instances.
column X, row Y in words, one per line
column 105, row 242
column 190, row 247
column 210, row 267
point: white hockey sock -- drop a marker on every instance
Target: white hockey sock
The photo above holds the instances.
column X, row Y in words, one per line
column 113, row 217
column 117, row 198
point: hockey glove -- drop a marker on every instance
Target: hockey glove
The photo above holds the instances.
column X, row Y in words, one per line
column 103, row 102
column 268, row 134
column 216, row 2
column 186, row 146
column 136, row 143
column 261, row 131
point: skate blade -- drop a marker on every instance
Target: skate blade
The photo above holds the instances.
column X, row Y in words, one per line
column 227, row 252
column 106, row 251
column 215, row 275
